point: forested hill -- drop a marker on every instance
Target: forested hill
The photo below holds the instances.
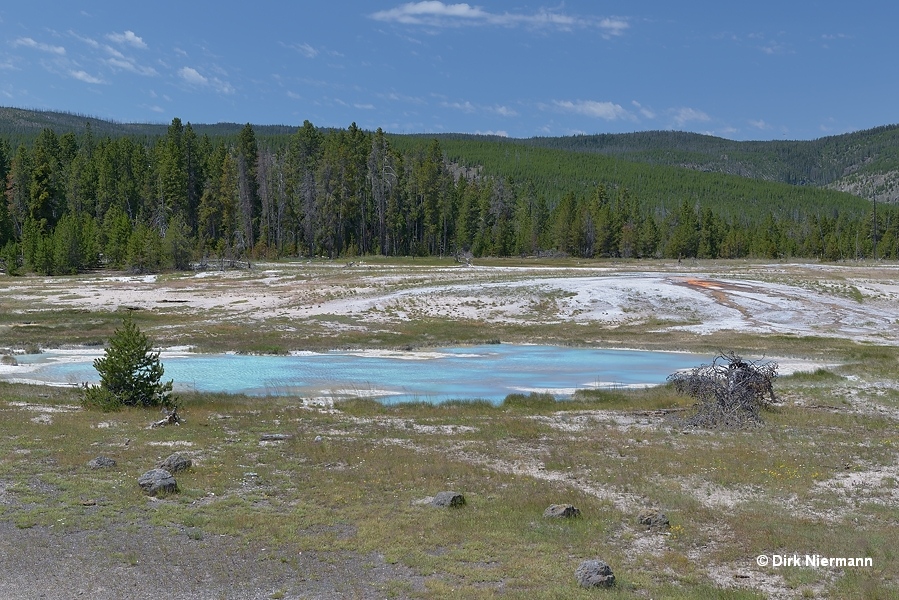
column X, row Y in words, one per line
column 21, row 126
column 82, row 193
column 864, row 163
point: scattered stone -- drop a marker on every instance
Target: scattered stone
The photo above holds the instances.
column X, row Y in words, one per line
column 653, row 518
column 594, row 573
column 318, row 439
column 273, row 437
column 561, row 511
column 101, row 462
column 155, row 481
column 175, row 463
column 449, row 500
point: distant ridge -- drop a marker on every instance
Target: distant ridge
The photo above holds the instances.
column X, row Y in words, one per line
column 863, row 163
column 24, row 124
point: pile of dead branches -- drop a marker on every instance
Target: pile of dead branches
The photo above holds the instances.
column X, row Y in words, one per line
column 730, row 392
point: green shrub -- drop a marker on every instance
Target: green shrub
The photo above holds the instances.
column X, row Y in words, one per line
column 532, row 400
column 96, row 396
column 821, row 374
column 130, row 373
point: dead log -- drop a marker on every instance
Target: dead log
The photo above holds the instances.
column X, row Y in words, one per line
column 171, row 418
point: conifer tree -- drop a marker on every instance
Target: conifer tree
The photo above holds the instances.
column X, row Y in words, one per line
column 248, row 184
column 130, row 373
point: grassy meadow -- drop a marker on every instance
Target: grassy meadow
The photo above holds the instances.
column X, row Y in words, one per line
column 346, row 489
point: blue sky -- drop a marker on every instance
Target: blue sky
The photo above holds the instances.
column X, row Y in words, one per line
column 762, row 70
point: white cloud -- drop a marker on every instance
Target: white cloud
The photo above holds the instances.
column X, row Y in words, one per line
column 773, row 48
column 504, row 111
column 30, row 43
column 727, row 131
column 647, row 113
column 613, row 27
column 85, row 77
column 468, row 107
column 760, row 124
column 222, row 87
column 682, row 116
column 129, row 65
column 113, row 52
column 305, row 49
column 192, row 76
column 393, row 96
column 432, row 13
column 496, row 133
column 364, row 106
column 601, row 110
column 128, row 38
column 195, row 78
column 89, row 41
column 119, row 63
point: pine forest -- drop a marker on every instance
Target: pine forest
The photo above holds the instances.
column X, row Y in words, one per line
column 141, row 202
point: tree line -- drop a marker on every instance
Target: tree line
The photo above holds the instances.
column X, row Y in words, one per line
column 75, row 202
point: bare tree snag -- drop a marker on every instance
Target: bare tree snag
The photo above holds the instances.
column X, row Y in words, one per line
column 730, row 392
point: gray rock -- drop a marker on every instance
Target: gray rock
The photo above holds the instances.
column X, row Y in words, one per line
column 155, row 481
column 449, row 500
column 594, row 573
column 561, row 511
column 175, row 463
column 101, row 462
column 273, row 437
column 653, row 518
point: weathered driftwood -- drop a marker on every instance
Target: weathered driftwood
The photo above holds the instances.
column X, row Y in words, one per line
column 171, row 418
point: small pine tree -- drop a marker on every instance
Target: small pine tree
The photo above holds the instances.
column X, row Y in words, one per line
column 130, row 373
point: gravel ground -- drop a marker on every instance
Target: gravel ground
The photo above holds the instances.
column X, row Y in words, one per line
column 143, row 562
